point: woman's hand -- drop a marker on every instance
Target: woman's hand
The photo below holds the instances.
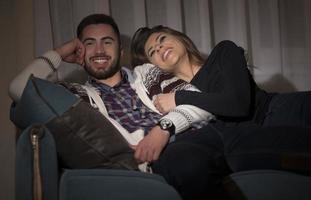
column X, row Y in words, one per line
column 150, row 147
column 165, row 102
column 72, row 51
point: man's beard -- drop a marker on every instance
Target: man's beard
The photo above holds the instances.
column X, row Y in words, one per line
column 106, row 73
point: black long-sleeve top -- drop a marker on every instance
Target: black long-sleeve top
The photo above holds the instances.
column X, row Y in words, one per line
column 227, row 88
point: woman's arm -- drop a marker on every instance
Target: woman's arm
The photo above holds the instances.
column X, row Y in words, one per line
column 182, row 116
column 224, row 82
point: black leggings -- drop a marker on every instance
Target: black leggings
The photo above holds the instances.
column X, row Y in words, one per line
column 194, row 164
column 283, row 141
column 289, row 109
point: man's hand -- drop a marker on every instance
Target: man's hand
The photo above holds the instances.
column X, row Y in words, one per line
column 165, row 102
column 72, row 51
column 150, row 147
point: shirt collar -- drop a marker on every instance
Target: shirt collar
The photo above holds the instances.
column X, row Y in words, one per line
column 103, row 86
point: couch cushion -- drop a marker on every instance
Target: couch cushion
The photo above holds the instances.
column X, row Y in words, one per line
column 114, row 185
column 41, row 101
column 268, row 185
column 86, row 139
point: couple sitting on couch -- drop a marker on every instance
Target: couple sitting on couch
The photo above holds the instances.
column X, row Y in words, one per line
column 193, row 121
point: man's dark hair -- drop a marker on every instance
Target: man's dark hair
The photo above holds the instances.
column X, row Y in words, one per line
column 97, row 19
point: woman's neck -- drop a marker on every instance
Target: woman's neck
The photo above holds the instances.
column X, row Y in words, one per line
column 187, row 71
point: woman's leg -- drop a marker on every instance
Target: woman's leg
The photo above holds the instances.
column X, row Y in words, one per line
column 280, row 147
column 194, row 164
column 289, row 109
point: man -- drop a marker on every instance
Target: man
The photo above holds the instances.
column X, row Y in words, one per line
column 184, row 163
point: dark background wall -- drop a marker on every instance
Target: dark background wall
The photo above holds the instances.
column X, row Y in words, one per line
column 16, row 50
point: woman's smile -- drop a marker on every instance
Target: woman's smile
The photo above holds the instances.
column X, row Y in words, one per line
column 166, row 53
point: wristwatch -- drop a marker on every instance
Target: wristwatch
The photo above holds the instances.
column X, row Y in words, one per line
column 167, row 125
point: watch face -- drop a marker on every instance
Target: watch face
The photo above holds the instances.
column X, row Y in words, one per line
column 165, row 124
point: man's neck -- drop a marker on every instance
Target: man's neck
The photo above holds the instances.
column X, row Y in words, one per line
column 112, row 81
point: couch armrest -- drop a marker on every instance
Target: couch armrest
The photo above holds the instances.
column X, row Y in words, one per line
column 48, row 166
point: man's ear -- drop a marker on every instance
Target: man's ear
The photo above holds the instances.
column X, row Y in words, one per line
column 121, row 51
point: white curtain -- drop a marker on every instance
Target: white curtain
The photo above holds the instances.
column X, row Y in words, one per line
column 274, row 33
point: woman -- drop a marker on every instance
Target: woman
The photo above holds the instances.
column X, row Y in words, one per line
column 250, row 120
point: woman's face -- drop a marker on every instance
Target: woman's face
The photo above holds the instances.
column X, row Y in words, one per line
column 165, row 51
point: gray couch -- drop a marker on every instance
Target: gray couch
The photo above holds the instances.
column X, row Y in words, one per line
column 39, row 175
column 78, row 184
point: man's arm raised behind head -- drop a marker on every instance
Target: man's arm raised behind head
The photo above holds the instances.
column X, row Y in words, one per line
column 42, row 67
column 45, row 66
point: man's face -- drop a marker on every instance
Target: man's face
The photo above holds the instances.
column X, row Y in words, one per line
column 102, row 51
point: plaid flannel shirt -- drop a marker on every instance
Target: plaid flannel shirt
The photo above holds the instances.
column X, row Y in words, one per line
column 122, row 103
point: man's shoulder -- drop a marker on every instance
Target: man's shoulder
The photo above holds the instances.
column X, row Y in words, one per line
column 128, row 73
column 69, row 85
column 75, row 88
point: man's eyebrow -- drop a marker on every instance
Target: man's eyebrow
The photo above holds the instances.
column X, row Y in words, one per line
column 93, row 39
column 88, row 39
column 107, row 38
